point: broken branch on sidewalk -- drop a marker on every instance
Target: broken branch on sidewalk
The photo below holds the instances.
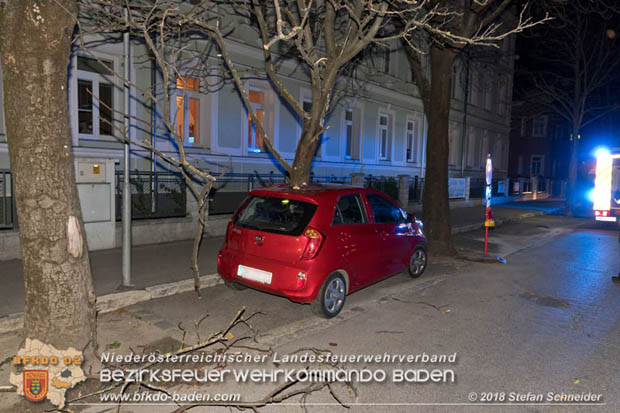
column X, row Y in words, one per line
column 135, row 371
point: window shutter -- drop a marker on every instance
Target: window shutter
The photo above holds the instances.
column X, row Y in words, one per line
column 389, row 145
column 356, row 138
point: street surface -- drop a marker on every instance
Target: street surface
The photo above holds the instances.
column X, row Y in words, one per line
column 546, row 321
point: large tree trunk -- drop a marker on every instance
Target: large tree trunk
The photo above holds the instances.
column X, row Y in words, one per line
column 435, row 203
column 306, row 148
column 59, row 298
column 572, row 173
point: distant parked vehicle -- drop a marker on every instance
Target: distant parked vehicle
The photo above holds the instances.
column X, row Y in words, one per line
column 606, row 193
column 319, row 244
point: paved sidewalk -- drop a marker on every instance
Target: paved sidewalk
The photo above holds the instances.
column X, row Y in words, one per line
column 467, row 219
column 159, row 265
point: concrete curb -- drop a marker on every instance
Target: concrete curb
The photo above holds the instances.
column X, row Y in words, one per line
column 498, row 222
column 114, row 301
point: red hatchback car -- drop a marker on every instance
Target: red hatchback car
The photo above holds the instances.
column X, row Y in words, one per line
column 319, row 244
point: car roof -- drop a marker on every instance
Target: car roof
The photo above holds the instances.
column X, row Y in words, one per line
column 312, row 192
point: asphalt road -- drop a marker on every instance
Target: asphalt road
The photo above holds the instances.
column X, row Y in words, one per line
column 544, row 324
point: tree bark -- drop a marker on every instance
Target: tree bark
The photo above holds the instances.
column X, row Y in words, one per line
column 572, row 172
column 59, row 307
column 436, row 205
column 304, row 155
column 312, row 126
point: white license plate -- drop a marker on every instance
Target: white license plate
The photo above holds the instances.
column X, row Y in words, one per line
column 609, row 219
column 254, row 274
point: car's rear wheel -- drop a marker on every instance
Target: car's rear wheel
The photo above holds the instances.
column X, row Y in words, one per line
column 417, row 263
column 234, row 286
column 331, row 298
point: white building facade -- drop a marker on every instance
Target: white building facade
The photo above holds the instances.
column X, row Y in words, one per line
column 379, row 130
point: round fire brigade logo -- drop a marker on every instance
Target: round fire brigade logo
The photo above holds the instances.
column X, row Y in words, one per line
column 35, row 384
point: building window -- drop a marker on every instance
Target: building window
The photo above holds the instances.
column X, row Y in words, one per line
column 457, row 81
column 454, row 80
column 502, row 104
column 536, row 165
column 454, row 138
column 255, row 138
column 476, row 87
column 352, row 133
column 95, row 98
column 348, row 126
column 539, row 126
column 384, row 137
column 484, row 150
column 480, row 85
column 385, row 57
column 496, row 155
column 380, row 58
column 412, row 141
column 471, row 147
column 188, row 110
column 489, row 90
column 523, row 126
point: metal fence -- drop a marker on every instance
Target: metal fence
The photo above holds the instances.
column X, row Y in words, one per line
column 416, row 189
column 542, row 185
column 477, row 187
column 386, row 184
column 231, row 188
column 7, row 201
column 556, row 188
column 331, row 179
column 153, row 195
column 164, row 195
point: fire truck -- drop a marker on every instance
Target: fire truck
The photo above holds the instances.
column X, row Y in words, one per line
column 606, row 193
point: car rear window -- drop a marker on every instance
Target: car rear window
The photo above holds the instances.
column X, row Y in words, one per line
column 277, row 215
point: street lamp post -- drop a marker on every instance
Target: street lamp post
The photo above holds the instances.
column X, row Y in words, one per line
column 126, row 217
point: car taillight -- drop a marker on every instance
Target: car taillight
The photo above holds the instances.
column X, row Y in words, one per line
column 601, row 213
column 315, row 239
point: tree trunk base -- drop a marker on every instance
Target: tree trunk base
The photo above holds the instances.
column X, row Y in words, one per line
column 439, row 248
